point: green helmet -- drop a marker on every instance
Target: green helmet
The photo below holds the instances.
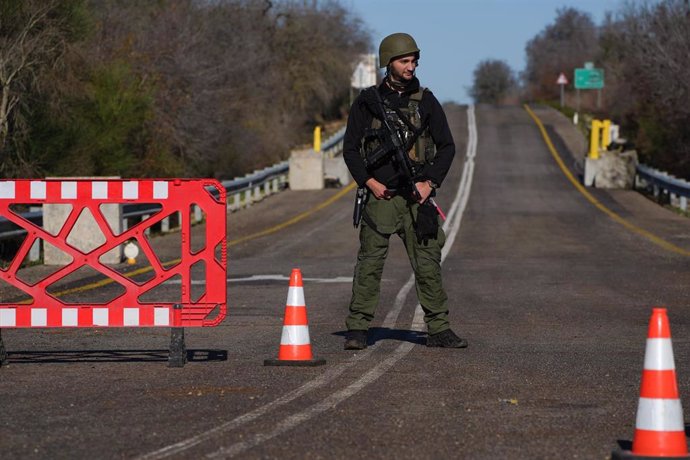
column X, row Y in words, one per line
column 395, row 45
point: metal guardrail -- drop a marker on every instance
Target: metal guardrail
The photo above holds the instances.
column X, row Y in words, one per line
column 334, row 145
column 241, row 192
column 663, row 186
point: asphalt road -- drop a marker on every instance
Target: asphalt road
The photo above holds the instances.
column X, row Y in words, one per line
column 553, row 294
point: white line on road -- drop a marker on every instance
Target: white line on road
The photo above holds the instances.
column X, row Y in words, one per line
column 249, row 279
column 452, row 226
column 337, row 279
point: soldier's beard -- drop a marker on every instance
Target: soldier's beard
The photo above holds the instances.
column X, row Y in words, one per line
column 398, row 82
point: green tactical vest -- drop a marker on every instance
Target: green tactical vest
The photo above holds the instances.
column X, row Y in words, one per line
column 424, row 150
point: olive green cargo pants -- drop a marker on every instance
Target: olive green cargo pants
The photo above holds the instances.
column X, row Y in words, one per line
column 395, row 216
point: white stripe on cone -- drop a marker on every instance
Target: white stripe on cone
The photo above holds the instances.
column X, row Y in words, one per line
column 658, row 355
column 295, row 297
column 295, row 335
column 656, row 414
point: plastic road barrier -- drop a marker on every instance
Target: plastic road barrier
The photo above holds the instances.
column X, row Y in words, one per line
column 126, row 310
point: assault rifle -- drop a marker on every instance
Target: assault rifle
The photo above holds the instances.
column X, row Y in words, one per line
column 390, row 145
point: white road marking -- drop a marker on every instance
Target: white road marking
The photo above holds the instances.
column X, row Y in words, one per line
column 451, row 226
column 249, row 279
column 337, row 279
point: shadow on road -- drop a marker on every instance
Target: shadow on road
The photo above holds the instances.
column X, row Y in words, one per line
column 624, row 444
column 376, row 334
column 109, row 356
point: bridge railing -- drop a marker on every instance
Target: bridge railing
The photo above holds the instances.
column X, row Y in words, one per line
column 665, row 187
column 241, row 192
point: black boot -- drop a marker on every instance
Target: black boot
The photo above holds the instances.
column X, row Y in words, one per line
column 356, row 340
column 446, row 339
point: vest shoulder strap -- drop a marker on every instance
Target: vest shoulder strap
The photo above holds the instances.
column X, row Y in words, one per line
column 417, row 95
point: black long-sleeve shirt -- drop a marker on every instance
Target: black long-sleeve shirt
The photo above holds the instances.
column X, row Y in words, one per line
column 430, row 110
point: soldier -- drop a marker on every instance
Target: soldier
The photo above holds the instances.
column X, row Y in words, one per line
column 399, row 206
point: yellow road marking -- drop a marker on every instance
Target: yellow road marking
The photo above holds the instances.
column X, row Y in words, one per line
column 295, row 219
column 234, row 242
column 633, row 228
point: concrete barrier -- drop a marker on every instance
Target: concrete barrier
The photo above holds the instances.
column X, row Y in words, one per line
column 336, row 171
column 306, row 170
column 611, row 170
column 86, row 235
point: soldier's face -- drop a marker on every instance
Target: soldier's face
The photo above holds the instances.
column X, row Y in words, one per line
column 402, row 69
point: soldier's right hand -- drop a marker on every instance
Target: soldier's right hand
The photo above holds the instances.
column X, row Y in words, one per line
column 378, row 189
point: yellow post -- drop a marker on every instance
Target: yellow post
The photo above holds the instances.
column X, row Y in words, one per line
column 606, row 134
column 594, row 139
column 317, row 139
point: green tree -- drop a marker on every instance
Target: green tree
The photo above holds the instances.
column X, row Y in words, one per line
column 493, row 81
column 105, row 129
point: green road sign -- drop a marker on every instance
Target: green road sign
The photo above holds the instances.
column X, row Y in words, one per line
column 589, row 78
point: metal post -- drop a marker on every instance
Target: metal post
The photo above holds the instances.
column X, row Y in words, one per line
column 3, row 352
column 165, row 225
column 317, row 139
column 594, row 138
column 605, row 134
column 237, row 201
column 178, row 350
column 234, row 202
column 147, row 232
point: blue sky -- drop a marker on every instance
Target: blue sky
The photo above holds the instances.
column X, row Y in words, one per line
column 455, row 35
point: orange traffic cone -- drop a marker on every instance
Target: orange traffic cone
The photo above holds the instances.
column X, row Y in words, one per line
column 659, row 429
column 295, row 347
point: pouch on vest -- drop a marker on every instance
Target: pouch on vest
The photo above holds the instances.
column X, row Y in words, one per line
column 423, row 149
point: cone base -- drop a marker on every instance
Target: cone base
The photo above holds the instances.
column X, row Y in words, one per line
column 628, row 455
column 294, row 362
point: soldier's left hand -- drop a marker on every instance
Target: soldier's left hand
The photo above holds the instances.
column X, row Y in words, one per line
column 424, row 190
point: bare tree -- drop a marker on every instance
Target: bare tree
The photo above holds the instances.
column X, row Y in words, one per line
column 646, row 50
column 168, row 87
column 33, row 36
column 236, row 80
column 561, row 47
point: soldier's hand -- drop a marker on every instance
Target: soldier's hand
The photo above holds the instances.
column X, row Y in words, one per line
column 378, row 189
column 424, row 190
